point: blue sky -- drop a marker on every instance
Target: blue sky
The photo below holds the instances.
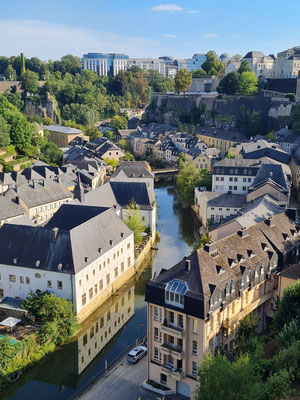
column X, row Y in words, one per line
column 152, row 28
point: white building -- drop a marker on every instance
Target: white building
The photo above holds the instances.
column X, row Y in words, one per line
column 260, row 64
column 148, row 64
column 82, row 254
column 288, row 63
column 233, row 66
column 196, row 62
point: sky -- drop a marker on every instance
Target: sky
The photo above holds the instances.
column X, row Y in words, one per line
column 49, row 29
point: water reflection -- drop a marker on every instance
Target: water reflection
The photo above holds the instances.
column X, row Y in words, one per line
column 118, row 323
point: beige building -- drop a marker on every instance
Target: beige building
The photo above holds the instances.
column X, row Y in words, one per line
column 260, row 64
column 195, row 307
column 63, row 135
column 288, row 63
column 287, row 277
column 221, row 139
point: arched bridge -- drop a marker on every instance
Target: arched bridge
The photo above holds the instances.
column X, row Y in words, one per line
column 165, row 174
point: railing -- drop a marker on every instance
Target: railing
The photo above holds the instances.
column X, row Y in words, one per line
column 172, row 329
column 172, row 347
column 170, row 370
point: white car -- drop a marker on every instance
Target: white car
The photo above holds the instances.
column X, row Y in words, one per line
column 136, row 354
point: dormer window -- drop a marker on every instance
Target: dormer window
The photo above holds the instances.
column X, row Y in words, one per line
column 250, row 253
column 264, row 246
column 227, row 291
column 219, row 269
column 232, row 287
column 293, row 232
column 240, row 258
column 174, row 293
column 285, row 236
column 262, row 271
column 231, row 262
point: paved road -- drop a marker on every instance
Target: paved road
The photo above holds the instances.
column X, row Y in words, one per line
column 123, row 382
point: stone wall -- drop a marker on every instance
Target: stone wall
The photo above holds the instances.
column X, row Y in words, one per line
column 49, row 108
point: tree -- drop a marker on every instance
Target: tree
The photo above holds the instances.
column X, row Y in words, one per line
column 236, row 57
column 179, row 127
column 119, row 122
column 30, row 151
column 93, row 132
column 51, row 153
column 230, row 155
column 22, row 64
column 288, row 308
column 244, row 67
column 109, row 135
column 113, row 163
column 212, row 65
column 278, row 385
column 191, row 130
column 128, row 157
column 4, row 133
column 134, row 220
column 68, row 63
column 271, row 136
column 204, row 239
column 10, row 74
column 229, row 84
column 29, row 82
column 183, row 80
column 124, row 144
column 246, row 334
column 248, row 83
column 188, row 178
column 199, row 73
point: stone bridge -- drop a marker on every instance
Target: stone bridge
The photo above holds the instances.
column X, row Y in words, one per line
column 166, row 174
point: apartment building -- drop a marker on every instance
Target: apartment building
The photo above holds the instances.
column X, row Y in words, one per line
column 148, row 64
column 288, row 63
column 196, row 62
column 63, row 135
column 261, row 65
column 219, row 138
column 83, row 254
column 104, row 64
column 195, row 307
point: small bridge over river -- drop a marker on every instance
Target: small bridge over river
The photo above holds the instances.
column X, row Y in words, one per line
column 166, row 174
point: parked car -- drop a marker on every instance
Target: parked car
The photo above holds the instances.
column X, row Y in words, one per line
column 136, row 354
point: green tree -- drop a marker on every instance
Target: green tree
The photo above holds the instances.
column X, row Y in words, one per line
column 229, row 84
column 10, row 74
column 179, row 127
column 271, row 136
column 4, row 133
column 288, row 308
column 183, row 80
column 246, row 334
column 212, row 65
column 248, row 83
column 93, row 132
column 67, row 63
column 199, row 73
column 29, row 82
column 244, row 67
column 128, row 157
column 134, row 220
column 290, row 96
column 124, row 144
column 51, row 153
column 188, row 178
column 109, row 135
column 113, row 163
column 236, row 57
column 204, row 239
column 191, row 130
column 119, row 122
column 230, row 155
column 278, row 385
column 30, row 151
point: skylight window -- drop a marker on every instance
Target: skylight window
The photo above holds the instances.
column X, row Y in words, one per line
column 174, row 293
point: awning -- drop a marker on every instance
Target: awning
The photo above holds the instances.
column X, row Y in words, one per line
column 10, row 322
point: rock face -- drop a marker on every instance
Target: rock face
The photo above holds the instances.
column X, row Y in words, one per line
column 170, row 109
column 48, row 108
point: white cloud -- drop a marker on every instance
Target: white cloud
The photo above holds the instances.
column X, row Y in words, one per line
column 169, row 35
column 192, row 12
column 46, row 40
column 167, row 7
column 209, row 35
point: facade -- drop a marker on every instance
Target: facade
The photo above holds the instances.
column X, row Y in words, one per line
column 63, row 135
column 295, row 169
column 261, row 65
column 195, row 307
column 233, row 66
column 288, row 63
column 182, row 63
column 134, row 171
column 105, row 64
column 148, row 64
column 219, row 138
column 196, row 62
column 83, row 254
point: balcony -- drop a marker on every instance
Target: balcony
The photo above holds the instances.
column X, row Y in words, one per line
column 172, row 330
column 174, row 351
column 173, row 372
column 229, row 322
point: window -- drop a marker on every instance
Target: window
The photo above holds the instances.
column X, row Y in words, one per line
column 83, row 299
column 87, row 277
column 222, row 179
column 244, row 179
column 116, row 307
column 230, row 179
column 128, row 246
column 155, row 313
column 93, row 272
column 92, row 332
column 101, row 322
column 108, row 315
column 49, row 284
column 79, row 282
column 84, row 339
column 108, row 261
column 122, row 301
column 91, row 294
column 244, row 188
column 107, row 279
column 1, row 293
column 59, row 284
column 21, row 279
column 100, row 285
column 116, row 272
column 174, row 293
column 122, row 267
column 195, row 325
column 217, row 178
column 234, row 187
column 171, row 318
column 163, row 379
column 230, row 187
column 129, row 262
column 96, row 289
column 155, row 333
column 194, row 347
column 180, row 321
column 235, row 179
column 194, row 368
column 249, row 179
column 155, row 353
column 27, row 280
column 12, row 278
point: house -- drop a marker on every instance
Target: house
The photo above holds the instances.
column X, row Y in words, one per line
column 219, row 138
column 286, row 139
column 288, row 63
column 261, row 65
column 63, row 135
column 40, row 200
column 83, row 254
column 105, row 149
column 289, row 276
column 195, row 306
column 214, row 208
column 9, row 211
column 233, row 66
column 134, row 171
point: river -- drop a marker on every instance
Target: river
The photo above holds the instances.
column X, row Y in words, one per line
column 116, row 325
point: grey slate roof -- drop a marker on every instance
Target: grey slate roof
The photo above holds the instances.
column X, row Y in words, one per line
column 72, row 249
column 272, row 172
column 221, row 134
column 133, row 169
column 292, row 272
column 227, row 200
column 63, row 129
column 9, row 209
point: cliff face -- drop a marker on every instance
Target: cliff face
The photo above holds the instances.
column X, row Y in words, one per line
column 170, row 109
column 48, row 108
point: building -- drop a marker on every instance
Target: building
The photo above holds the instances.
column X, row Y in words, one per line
column 39, row 199
column 83, row 254
column 288, row 63
column 233, row 66
column 182, row 63
column 214, row 208
column 288, row 276
column 105, row 64
column 134, row 171
column 286, row 139
column 203, row 85
column 63, row 135
column 196, row 62
column 219, row 138
column 9, row 211
column 261, row 65
column 295, row 169
column 148, row 64
column 225, row 58
column 195, row 306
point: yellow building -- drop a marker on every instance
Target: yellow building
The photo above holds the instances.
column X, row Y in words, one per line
column 63, row 135
column 221, row 139
column 195, row 307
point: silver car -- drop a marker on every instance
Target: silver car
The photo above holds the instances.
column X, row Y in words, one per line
column 136, row 354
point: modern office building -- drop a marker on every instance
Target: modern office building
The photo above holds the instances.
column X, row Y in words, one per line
column 105, row 64
column 196, row 62
column 148, row 64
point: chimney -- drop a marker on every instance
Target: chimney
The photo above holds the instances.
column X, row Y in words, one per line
column 99, row 250
column 122, row 234
column 211, row 248
column 270, row 222
column 44, row 183
column 54, row 232
column 292, row 213
column 187, row 265
column 18, row 199
column 243, row 232
column 18, row 189
column 34, row 184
